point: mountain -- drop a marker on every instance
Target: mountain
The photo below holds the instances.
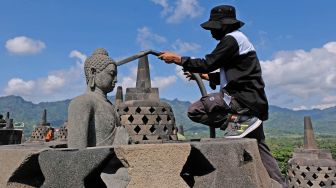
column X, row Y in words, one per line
column 281, row 121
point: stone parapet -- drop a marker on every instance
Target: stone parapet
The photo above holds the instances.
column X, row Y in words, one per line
column 210, row 163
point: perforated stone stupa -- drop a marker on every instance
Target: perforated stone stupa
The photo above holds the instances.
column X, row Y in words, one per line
column 41, row 130
column 310, row 166
column 142, row 113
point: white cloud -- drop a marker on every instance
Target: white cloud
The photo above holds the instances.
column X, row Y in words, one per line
column 165, row 5
column 19, row 87
column 181, row 10
column 147, row 39
column 302, row 78
column 52, row 83
column 57, row 85
column 23, row 45
column 163, row 82
column 77, row 54
column 182, row 47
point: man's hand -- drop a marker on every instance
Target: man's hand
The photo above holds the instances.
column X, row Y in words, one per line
column 170, row 57
column 189, row 76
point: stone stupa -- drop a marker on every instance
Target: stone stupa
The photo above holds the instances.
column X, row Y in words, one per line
column 41, row 130
column 146, row 118
column 311, row 166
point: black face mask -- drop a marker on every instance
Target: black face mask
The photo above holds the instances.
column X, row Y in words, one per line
column 217, row 34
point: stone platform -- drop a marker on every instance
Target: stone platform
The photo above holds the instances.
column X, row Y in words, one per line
column 207, row 163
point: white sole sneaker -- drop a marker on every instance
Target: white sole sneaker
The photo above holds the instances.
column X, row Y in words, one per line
column 248, row 130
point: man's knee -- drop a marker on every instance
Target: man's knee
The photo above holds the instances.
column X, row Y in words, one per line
column 195, row 109
column 196, row 112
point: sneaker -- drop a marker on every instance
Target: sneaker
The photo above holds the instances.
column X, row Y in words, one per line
column 241, row 125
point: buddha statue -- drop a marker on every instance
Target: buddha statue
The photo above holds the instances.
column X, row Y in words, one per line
column 92, row 118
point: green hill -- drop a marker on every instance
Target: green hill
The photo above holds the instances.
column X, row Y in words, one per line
column 281, row 121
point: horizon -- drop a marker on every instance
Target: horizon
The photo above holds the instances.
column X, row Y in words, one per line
column 44, row 43
column 112, row 96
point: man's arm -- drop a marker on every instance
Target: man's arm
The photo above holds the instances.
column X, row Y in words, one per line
column 222, row 54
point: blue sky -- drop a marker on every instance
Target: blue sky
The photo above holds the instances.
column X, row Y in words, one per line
column 43, row 44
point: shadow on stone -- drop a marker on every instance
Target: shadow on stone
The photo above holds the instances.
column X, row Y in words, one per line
column 115, row 174
column 93, row 180
column 29, row 173
column 197, row 165
column 247, row 157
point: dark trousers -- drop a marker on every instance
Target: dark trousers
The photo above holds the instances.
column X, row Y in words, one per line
column 212, row 110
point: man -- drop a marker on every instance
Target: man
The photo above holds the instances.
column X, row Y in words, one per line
column 241, row 105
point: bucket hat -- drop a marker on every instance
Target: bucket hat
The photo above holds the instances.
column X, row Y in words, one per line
column 221, row 15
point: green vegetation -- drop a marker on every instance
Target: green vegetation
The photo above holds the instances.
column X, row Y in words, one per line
column 282, row 147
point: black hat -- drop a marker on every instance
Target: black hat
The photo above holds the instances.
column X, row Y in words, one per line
column 221, row 15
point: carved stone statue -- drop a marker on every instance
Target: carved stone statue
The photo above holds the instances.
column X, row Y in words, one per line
column 92, row 118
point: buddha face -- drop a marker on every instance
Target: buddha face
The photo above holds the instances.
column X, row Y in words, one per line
column 106, row 79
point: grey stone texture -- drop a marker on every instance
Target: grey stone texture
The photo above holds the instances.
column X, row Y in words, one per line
column 62, row 134
column 229, row 163
column 148, row 120
column 145, row 117
column 74, row 167
column 143, row 90
column 309, row 140
column 41, row 130
column 310, row 166
column 143, row 76
column 92, row 118
column 39, row 133
column 119, row 98
column 19, row 166
column 208, row 163
column 142, row 94
column 154, row 165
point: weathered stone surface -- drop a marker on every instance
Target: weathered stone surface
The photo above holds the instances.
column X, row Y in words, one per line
column 10, row 136
column 310, row 166
column 309, row 139
column 19, row 166
column 148, row 120
column 73, row 167
column 154, row 165
column 115, row 174
column 229, row 163
column 209, row 163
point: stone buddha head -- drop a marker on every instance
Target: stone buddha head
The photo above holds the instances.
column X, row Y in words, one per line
column 100, row 71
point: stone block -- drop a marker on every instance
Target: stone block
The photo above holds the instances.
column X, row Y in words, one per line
column 154, row 165
column 229, row 163
column 139, row 94
column 19, row 166
column 74, row 167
